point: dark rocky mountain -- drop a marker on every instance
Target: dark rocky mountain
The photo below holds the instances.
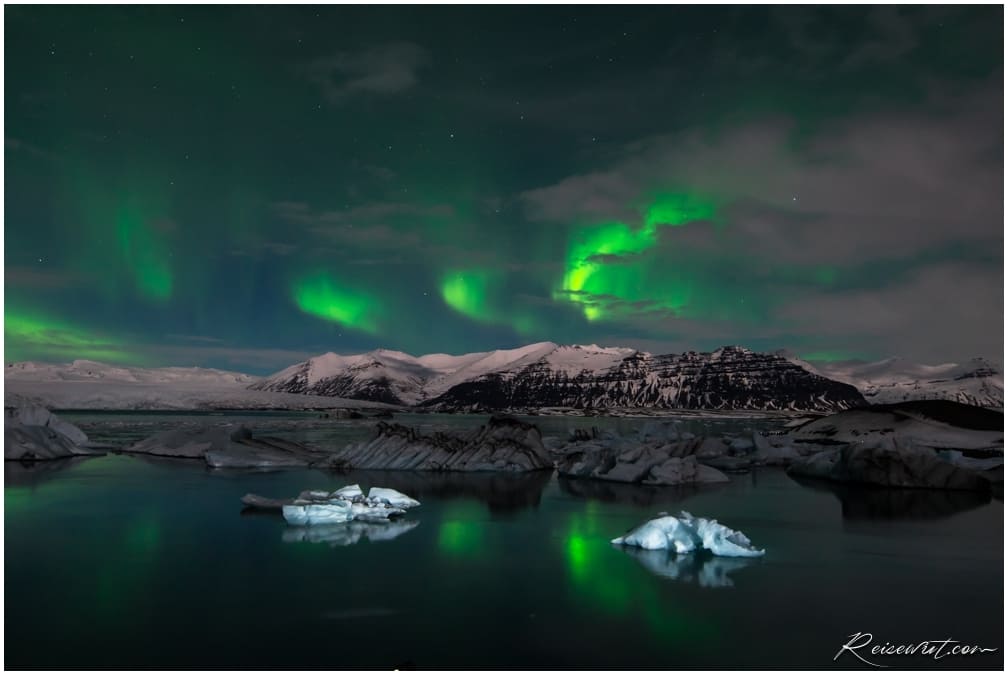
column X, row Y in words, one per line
column 731, row 378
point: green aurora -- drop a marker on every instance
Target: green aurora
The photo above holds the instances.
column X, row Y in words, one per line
column 316, row 190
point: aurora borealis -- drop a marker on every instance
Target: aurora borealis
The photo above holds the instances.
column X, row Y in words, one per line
column 241, row 187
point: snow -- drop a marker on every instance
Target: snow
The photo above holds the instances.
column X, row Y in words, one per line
column 490, row 362
column 415, row 378
column 570, row 359
column 976, row 382
column 106, row 395
column 685, row 533
column 93, row 371
column 577, row 358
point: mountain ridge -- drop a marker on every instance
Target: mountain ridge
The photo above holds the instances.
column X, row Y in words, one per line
column 978, row 382
column 547, row 374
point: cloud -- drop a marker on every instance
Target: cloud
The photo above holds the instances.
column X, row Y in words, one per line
column 862, row 188
column 941, row 312
column 388, row 233
column 381, row 70
column 868, row 208
column 245, row 359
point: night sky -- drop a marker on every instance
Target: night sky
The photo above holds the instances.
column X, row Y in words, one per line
column 246, row 187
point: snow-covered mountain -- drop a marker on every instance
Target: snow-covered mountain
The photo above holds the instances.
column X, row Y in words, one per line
column 977, row 382
column 578, row 376
column 89, row 385
column 93, row 371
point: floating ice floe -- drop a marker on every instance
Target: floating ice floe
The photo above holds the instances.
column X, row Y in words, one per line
column 685, row 533
column 318, row 507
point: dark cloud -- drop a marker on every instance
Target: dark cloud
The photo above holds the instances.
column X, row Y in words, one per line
column 945, row 311
column 380, row 70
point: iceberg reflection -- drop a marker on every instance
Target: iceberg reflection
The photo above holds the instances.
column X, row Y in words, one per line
column 700, row 568
column 348, row 534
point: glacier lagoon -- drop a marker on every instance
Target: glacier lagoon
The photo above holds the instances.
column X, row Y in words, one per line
column 124, row 561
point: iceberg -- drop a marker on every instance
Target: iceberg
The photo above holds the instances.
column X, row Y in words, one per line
column 685, row 533
column 318, row 514
column 350, row 492
column 391, row 497
column 320, row 507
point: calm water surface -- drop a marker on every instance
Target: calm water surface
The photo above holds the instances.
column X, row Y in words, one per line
column 127, row 562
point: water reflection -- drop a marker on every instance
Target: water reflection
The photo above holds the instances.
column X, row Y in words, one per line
column 503, row 493
column 598, row 575
column 706, row 570
column 630, row 494
column 348, row 534
column 30, row 474
column 859, row 502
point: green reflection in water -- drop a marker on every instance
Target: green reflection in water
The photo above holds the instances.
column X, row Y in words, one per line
column 603, row 577
column 461, row 532
column 130, row 567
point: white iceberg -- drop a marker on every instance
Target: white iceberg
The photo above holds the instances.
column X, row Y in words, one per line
column 319, row 507
column 337, row 511
column 372, row 512
column 392, row 498
column 685, row 533
column 350, row 492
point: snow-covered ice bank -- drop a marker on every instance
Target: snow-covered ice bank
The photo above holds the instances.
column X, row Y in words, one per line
column 685, row 533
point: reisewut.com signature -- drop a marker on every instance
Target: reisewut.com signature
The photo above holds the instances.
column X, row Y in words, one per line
column 863, row 647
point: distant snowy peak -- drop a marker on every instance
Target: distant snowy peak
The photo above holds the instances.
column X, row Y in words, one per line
column 395, row 377
column 978, row 382
column 546, row 374
column 94, row 371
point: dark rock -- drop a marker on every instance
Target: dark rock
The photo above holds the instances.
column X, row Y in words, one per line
column 502, row 444
column 635, row 462
column 888, row 465
column 32, row 433
column 264, row 503
column 227, row 446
